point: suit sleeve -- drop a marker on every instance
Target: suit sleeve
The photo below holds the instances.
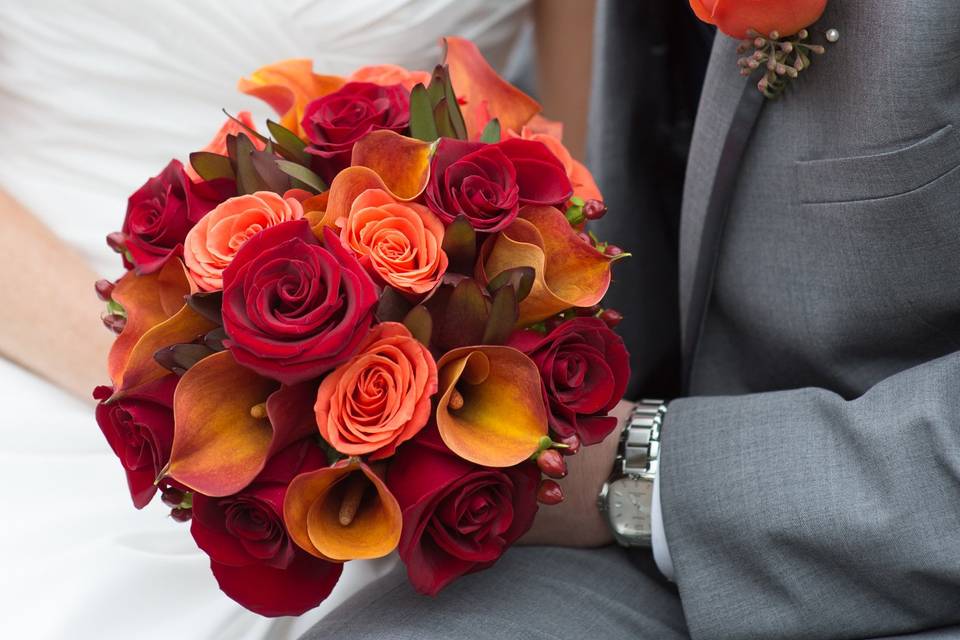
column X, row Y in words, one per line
column 799, row 514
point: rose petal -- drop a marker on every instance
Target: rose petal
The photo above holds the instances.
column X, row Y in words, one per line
column 503, row 416
column 312, row 509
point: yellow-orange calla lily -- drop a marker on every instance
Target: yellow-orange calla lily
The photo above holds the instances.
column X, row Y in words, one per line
column 569, row 271
column 485, row 93
column 402, row 163
column 157, row 317
column 288, row 86
column 491, row 409
column 228, row 421
column 319, row 503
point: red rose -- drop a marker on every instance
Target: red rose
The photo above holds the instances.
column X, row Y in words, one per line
column 294, row 307
column 162, row 211
column 139, row 429
column 489, row 182
column 584, row 368
column 457, row 517
column 336, row 121
column 251, row 554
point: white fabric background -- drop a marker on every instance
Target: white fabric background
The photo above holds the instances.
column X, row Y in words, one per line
column 95, row 96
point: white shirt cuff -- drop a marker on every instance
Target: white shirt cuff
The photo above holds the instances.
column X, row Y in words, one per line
column 661, row 552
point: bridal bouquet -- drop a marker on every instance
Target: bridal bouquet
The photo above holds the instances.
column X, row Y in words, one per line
column 373, row 325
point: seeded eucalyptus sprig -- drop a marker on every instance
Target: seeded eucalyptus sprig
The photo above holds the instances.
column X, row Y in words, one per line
column 783, row 58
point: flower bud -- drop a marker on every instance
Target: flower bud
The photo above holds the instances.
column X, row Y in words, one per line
column 117, row 241
column 181, row 515
column 551, row 463
column 611, row 317
column 549, row 493
column 104, row 289
column 613, row 250
column 586, row 312
column 594, row 209
column 114, row 322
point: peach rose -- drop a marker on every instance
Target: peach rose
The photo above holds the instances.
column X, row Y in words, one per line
column 399, row 241
column 380, row 398
column 387, row 74
column 214, row 241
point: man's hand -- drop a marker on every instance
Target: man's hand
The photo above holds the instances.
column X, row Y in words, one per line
column 577, row 521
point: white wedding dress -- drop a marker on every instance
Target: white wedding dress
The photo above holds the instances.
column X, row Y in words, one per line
column 96, row 96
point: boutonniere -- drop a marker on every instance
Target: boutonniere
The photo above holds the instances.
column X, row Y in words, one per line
column 773, row 33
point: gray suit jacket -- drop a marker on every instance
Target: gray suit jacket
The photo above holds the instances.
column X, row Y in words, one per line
column 811, row 476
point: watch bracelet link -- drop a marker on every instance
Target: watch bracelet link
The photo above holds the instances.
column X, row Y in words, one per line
column 639, row 451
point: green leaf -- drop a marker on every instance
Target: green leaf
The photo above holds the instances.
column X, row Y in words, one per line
column 441, row 116
column 491, row 132
column 422, row 126
column 114, row 308
column 453, row 109
column 420, row 324
column 465, row 317
column 211, row 166
column 253, row 132
column 437, row 88
column 266, row 166
column 208, row 304
column 520, row 278
column 290, row 145
column 504, row 313
column 248, row 180
column 460, row 245
column 393, row 307
column 302, row 174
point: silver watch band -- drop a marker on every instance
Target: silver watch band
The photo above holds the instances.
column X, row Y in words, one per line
column 640, row 442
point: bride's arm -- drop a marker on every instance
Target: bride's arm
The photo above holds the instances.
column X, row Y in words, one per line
column 564, row 36
column 49, row 314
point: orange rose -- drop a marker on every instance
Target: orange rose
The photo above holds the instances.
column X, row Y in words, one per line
column 387, row 74
column 381, row 397
column 736, row 17
column 399, row 241
column 212, row 243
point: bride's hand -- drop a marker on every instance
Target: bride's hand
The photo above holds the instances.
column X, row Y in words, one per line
column 577, row 521
column 49, row 314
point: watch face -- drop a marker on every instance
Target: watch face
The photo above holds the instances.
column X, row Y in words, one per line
column 628, row 505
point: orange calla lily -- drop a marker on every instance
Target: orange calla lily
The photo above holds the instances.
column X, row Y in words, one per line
column 156, row 317
column 288, row 86
column 485, row 93
column 569, row 271
column 491, row 409
column 228, row 421
column 402, row 163
column 318, row 504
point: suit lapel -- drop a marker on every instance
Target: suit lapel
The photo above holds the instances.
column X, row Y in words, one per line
column 728, row 110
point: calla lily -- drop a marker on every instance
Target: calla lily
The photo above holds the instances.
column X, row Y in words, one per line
column 491, row 409
column 485, row 93
column 569, row 271
column 402, row 163
column 288, row 86
column 343, row 512
column 228, row 421
column 156, row 317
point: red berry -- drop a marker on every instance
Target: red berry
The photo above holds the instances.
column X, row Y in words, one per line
column 573, row 445
column 114, row 322
column 171, row 497
column 613, row 250
column 117, row 241
column 612, row 317
column 181, row 515
column 551, row 463
column 104, row 289
column 549, row 493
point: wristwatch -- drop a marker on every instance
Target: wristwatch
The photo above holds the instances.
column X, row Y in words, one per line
column 626, row 498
